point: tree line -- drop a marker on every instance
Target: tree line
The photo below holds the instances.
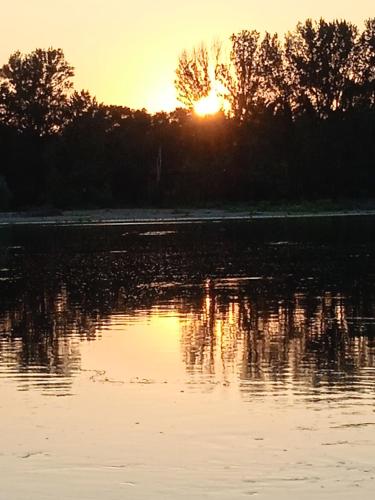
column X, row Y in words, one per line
column 297, row 123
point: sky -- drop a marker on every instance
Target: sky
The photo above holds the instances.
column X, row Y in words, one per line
column 125, row 51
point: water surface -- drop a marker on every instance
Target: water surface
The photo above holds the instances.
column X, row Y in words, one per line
column 220, row 360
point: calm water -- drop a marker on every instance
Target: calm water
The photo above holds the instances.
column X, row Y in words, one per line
column 188, row 361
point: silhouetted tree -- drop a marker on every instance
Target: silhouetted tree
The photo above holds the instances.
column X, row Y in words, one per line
column 320, row 59
column 274, row 90
column 241, row 76
column 193, row 80
column 81, row 104
column 34, row 91
column 364, row 67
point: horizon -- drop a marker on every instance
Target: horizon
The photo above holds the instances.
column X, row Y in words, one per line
column 109, row 66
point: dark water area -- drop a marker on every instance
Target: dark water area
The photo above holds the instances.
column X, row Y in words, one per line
column 278, row 314
column 271, row 284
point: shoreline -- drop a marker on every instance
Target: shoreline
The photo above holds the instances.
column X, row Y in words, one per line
column 134, row 216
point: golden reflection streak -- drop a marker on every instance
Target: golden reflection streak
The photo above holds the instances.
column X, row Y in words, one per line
column 227, row 333
column 257, row 341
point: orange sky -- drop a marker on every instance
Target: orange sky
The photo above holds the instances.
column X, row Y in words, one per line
column 125, row 51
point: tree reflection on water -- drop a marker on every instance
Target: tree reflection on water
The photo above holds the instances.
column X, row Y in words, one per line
column 251, row 309
column 303, row 337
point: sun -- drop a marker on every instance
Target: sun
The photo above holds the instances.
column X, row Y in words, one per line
column 208, row 105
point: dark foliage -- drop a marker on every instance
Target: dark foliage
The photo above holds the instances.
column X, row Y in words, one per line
column 300, row 126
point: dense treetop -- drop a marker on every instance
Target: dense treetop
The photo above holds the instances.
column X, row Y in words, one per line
column 321, row 67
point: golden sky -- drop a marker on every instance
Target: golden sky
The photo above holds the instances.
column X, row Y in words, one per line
column 125, row 51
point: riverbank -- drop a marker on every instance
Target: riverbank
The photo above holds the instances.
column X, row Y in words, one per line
column 152, row 215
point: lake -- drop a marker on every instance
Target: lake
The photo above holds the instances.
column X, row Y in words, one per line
column 207, row 360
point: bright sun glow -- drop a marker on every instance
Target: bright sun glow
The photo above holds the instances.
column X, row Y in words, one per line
column 208, row 105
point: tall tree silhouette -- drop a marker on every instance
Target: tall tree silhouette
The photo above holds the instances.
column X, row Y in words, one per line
column 364, row 64
column 320, row 58
column 193, row 79
column 241, row 77
column 34, row 91
column 254, row 77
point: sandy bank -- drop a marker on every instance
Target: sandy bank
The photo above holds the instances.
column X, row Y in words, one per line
column 148, row 216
